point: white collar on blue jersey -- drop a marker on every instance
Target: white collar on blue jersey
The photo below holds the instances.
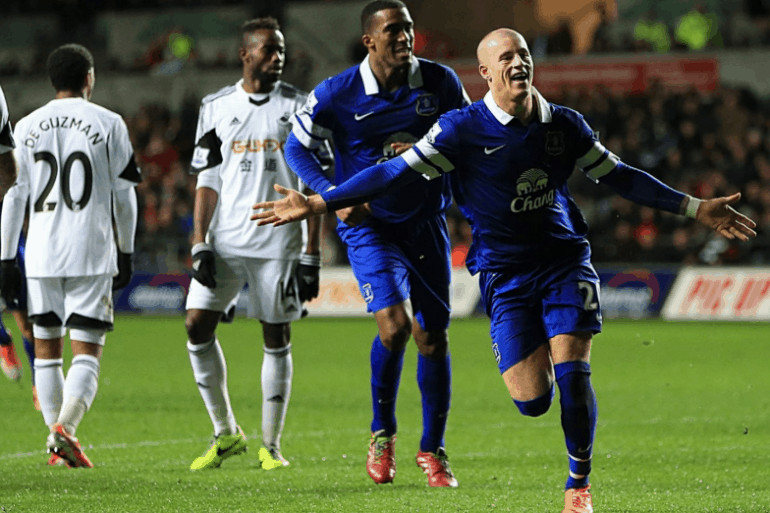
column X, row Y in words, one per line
column 370, row 82
column 504, row 118
column 255, row 96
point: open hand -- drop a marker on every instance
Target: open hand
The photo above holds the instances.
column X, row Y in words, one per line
column 725, row 220
column 293, row 207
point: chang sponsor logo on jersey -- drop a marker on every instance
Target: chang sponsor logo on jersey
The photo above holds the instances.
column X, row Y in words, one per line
column 257, row 145
column 531, row 187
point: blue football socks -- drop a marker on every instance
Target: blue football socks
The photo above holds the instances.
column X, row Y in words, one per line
column 29, row 348
column 386, row 374
column 434, row 378
column 578, row 417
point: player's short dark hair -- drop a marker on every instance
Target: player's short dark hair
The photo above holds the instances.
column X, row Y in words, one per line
column 68, row 67
column 268, row 22
column 373, row 8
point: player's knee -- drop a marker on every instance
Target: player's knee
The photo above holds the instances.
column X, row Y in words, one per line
column 537, row 406
column 396, row 334
column 197, row 331
column 435, row 345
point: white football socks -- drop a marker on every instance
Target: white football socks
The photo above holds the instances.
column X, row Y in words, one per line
column 210, row 372
column 277, row 370
column 79, row 390
column 49, row 380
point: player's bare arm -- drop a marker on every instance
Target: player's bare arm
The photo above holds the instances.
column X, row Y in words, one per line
column 718, row 215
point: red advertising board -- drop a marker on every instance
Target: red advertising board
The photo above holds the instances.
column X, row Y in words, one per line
column 720, row 294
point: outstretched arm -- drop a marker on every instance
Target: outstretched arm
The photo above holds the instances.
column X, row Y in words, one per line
column 642, row 188
column 372, row 182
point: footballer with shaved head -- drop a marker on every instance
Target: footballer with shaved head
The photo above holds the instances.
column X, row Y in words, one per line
column 508, row 157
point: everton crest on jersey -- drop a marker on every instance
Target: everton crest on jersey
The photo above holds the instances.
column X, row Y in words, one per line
column 363, row 121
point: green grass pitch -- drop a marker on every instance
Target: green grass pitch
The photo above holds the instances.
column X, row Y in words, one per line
column 684, row 426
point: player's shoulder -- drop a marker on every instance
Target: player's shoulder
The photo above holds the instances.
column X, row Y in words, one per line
column 104, row 112
column 562, row 113
column 435, row 74
column 289, row 93
column 223, row 93
column 470, row 113
column 341, row 83
column 429, row 66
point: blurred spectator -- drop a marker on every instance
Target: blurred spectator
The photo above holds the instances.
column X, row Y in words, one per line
column 698, row 28
column 651, row 34
column 560, row 40
column 696, row 141
column 603, row 41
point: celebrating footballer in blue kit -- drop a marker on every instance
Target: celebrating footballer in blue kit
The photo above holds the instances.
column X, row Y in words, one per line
column 398, row 245
column 508, row 157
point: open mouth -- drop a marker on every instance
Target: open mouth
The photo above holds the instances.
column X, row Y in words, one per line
column 521, row 76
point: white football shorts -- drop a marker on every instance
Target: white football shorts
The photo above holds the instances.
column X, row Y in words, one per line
column 273, row 294
column 89, row 296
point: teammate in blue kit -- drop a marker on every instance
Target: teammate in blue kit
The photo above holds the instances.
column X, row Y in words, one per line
column 398, row 245
column 511, row 154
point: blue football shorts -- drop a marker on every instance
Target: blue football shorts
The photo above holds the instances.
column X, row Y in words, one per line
column 396, row 262
column 527, row 309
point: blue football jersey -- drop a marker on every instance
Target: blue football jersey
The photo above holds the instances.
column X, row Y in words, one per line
column 510, row 179
column 362, row 121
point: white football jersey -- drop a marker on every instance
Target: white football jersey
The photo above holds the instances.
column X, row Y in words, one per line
column 6, row 132
column 239, row 153
column 71, row 155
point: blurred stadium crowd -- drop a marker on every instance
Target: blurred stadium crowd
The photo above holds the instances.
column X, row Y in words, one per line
column 697, row 141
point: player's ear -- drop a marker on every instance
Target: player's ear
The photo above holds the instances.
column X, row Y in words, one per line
column 243, row 53
column 484, row 72
column 368, row 42
column 88, row 83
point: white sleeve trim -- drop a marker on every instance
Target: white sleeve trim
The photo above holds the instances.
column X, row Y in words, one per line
column 126, row 218
column 12, row 222
column 210, row 178
column 309, row 134
column 432, row 164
